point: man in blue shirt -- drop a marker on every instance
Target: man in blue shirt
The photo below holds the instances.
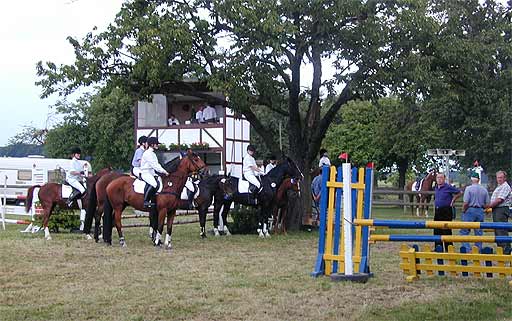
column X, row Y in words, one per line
column 476, row 198
column 445, row 196
column 316, row 188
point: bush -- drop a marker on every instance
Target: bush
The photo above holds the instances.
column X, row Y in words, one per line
column 245, row 220
column 60, row 219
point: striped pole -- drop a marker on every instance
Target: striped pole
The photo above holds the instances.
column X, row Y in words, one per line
column 347, row 217
column 439, row 238
column 434, row 224
column 22, row 222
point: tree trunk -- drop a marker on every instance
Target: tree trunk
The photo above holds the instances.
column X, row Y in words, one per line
column 299, row 208
column 403, row 164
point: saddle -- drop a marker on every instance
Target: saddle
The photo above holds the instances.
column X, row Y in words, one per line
column 191, row 190
column 139, row 184
column 66, row 190
column 416, row 186
column 245, row 187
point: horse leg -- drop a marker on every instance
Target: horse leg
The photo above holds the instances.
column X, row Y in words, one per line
column 162, row 213
column 97, row 220
column 153, row 223
column 170, row 220
column 283, row 219
column 225, row 210
column 418, row 200
column 117, row 219
column 47, row 211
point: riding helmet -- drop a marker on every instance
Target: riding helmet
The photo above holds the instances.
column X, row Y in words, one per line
column 76, row 150
column 153, row 141
column 142, row 139
column 251, row 148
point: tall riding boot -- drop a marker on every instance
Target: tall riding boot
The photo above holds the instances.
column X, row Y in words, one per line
column 72, row 197
column 148, row 194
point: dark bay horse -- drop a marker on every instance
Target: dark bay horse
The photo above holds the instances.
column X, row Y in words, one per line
column 266, row 198
column 423, row 199
column 120, row 193
column 281, row 203
column 50, row 195
column 210, row 187
column 99, row 195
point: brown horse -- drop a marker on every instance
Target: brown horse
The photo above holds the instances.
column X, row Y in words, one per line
column 423, row 199
column 99, row 195
column 120, row 193
column 281, row 203
column 50, row 195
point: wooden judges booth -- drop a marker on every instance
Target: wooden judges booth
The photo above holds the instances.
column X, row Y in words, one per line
column 221, row 142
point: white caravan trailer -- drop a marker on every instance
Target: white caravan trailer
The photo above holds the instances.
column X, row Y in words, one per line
column 17, row 174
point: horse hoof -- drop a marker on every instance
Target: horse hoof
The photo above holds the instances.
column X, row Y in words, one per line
column 88, row 237
column 261, row 235
column 267, row 235
column 203, row 235
column 226, row 232
column 48, row 238
column 216, row 232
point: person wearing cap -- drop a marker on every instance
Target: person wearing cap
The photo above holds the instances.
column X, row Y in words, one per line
column 476, row 198
column 75, row 176
column 445, row 197
column 137, row 156
column 324, row 158
column 149, row 166
column 251, row 170
column 271, row 164
column 501, row 199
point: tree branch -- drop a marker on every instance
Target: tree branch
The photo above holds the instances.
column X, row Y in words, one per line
column 266, row 134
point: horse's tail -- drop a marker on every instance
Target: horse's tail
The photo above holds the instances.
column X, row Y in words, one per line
column 30, row 197
column 92, row 203
column 107, row 220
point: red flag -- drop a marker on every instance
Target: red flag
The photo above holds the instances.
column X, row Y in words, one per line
column 343, row 156
column 370, row 165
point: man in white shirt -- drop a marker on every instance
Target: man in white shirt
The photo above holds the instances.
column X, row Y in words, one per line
column 149, row 165
column 251, row 170
column 210, row 114
column 173, row 120
column 199, row 115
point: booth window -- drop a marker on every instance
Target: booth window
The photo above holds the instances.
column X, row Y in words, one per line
column 25, row 175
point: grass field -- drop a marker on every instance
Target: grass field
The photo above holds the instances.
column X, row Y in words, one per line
column 227, row 278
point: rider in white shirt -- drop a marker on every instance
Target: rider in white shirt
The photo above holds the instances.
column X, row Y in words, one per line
column 324, row 158
column 75, row 176
column 149, row 165
column 250, row 169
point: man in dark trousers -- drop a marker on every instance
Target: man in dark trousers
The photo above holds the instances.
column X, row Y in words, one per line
column 445, row 196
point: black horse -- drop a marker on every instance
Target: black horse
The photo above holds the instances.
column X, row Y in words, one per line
column 265, row 199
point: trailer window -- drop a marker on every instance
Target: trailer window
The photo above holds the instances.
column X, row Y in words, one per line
column 25, row 175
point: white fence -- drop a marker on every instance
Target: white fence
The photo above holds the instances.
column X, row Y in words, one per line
column 17, row 210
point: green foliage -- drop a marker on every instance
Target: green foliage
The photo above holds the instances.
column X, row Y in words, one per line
column 21, row 150
column 61, row 219
column 245, row 220
column 174, row 147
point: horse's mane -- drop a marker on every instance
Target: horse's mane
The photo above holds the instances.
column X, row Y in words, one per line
column 172, row 165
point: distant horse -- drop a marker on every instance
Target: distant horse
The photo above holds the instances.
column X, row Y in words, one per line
column 50, row 195
column 425, row 185
column 265, row 199
column 99, row 194
column 120, row 193
column 281, row 203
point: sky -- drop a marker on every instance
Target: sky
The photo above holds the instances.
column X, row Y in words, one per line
column 34, row 30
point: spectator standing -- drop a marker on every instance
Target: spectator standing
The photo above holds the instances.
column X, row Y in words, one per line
column 501, row 199
column 445, row 196
column 271, row 164
column 324, row 158
column 476, row 198
column 210, row 114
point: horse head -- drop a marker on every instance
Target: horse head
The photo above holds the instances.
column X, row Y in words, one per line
column 293, row 170
column 191, row 163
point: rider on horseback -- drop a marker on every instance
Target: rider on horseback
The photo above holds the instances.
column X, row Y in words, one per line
column 148, row 166
column 74, row 177
column 251, row 170
column 137, row 156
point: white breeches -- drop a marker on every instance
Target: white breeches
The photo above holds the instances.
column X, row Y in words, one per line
column 148, row 178
column 252, row 179
column 76, row 184
column 136, row 171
